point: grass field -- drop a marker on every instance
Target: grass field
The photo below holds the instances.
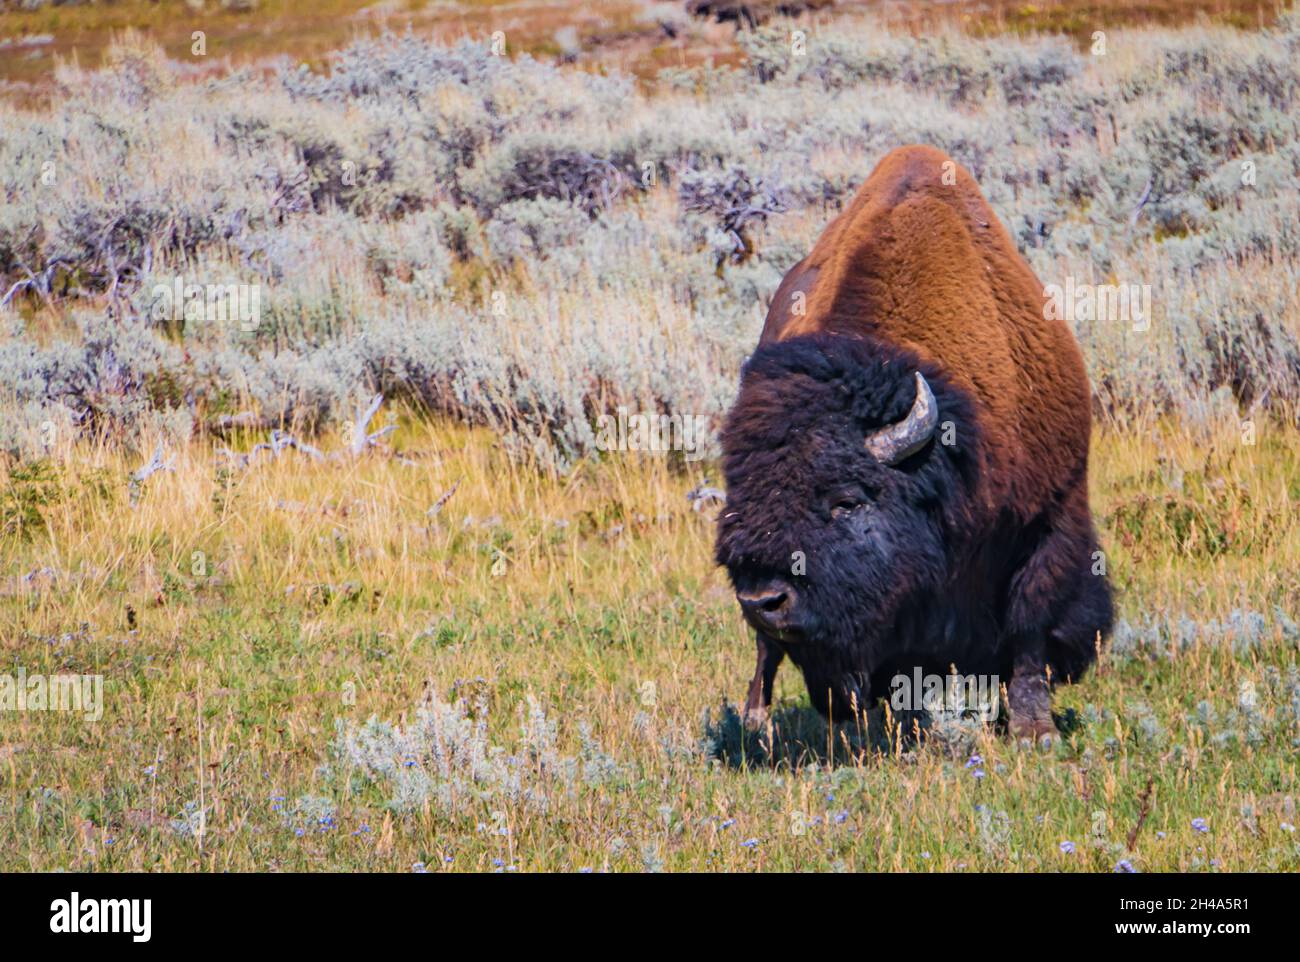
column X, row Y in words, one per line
column 483, row 644
column 248, row 625
column 627, row 34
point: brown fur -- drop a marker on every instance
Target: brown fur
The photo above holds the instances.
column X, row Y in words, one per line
column 924, row 264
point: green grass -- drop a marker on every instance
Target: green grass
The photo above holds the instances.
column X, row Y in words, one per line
column 325, row 595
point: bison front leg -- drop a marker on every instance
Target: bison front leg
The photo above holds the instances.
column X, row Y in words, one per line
column 759, row 699
column 1029, row 696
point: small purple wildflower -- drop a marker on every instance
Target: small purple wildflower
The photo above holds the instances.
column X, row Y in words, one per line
column 1067, row 847
column 1125, row 867
column 749, row 843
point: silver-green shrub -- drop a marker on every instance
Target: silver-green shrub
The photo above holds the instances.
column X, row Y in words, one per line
column 528, row 246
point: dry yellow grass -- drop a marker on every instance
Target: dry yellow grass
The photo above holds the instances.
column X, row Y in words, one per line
column 237, row 618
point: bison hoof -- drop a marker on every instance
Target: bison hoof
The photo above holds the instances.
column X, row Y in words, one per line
column 1044, row 743
column 1031, row 732
column 755, row 719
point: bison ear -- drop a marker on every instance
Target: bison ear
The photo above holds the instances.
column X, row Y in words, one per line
column 896, row 442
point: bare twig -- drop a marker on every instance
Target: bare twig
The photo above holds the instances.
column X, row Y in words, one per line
column 442, row 500
column 360, row 438
column 704, row 495
column 281, row 440
column 147, row 470
column 1143, row 811
column 1142, row 202
column 154, row 465
column 18, row 286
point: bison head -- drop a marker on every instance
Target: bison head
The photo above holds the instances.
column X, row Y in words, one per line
column 840, row 498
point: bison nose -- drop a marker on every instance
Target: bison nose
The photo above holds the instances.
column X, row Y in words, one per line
column 770, row 608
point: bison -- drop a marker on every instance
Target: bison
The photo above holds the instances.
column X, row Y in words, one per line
column 906, row 461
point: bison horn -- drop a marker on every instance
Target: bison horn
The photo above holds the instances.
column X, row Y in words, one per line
column 895, row 442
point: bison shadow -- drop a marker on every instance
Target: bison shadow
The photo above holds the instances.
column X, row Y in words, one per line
column 796, row 735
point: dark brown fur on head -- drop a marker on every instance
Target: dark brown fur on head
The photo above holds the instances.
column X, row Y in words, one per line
column 794, row 452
